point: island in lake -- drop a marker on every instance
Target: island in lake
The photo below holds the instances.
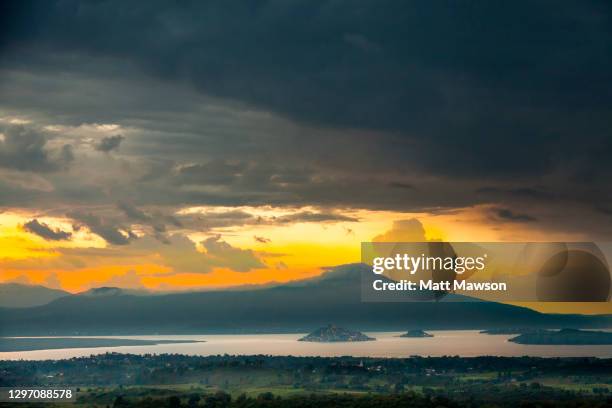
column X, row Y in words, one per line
column 564, row 337
column 416, row 334
column 12, row 344
column 513, row 330
column 331, row 333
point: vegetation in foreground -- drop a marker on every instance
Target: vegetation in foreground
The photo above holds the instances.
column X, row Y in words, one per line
column 119, row 380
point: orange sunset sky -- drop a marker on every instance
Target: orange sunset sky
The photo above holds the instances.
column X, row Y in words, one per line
column 266, row 252
column 285, row 252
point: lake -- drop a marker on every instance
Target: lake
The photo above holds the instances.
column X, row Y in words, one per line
column 465, row 343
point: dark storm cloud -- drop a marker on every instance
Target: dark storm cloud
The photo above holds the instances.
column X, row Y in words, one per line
column 157, row 222
column 504, row 88
column 226, row 218
column 440, row 97
column 24, row 148
column 506, row 214
column 232, row 218
column 105, row 229
column 67, row 153
column 134, row 213
column 109, row 143
column 261, row 240
column 308, row 216
column 520, row 192
column 213, row 172
column 43, row 230
column 400, row 185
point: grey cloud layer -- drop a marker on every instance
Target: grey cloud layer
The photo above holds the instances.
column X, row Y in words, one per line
column 476, row 81
column 383, row 105
column 109, row 143
column 110, row 232
column 25, row 148
column 509, row 215
column 180, row 256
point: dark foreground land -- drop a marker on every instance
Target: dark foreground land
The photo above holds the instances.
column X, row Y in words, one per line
column 120, row 380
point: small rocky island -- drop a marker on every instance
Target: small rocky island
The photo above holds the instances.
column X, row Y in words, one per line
column 332, row 334
column 416, row 334
column 564, row 337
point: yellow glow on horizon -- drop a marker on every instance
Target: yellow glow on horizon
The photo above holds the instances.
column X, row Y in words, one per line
column 11, row 226
column 17, row 244
column 290, row 250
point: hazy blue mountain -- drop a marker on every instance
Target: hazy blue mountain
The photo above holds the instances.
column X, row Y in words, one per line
column 103, row 291
column 19, row 295
column 112, row 291
column 334, row 297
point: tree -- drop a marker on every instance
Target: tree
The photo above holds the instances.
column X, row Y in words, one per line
column 174, row 402
column 265, row 396
column 119, row 402
column 193, row 400
column 398, row 387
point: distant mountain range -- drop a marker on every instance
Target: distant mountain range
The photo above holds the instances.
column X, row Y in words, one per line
column 18, row 295
column 112, row 291
column 334, row 297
